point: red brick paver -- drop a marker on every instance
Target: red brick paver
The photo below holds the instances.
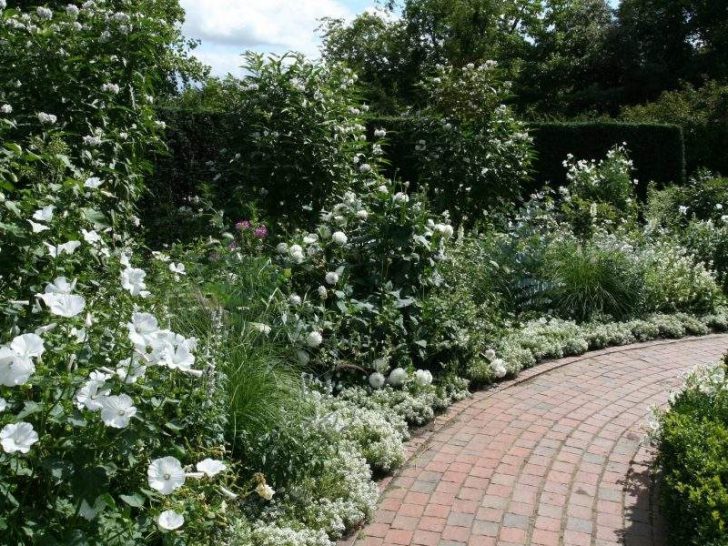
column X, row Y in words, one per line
column 556, row 457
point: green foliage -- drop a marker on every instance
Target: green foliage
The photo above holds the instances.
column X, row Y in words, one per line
column 693, row 444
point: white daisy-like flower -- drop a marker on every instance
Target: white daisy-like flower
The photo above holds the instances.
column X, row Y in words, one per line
column 116, row 411
column 132, row 280
column 37, row 228
column 93, row 183
column 314, row 339
column 423, row 377
column 377, row 380
column 265, row 491
column 165, row 475
column 64, row 305
column 340, row 238
column 169, row 520
column 332, row 277
column 18, row 437
column 210, row 467
column 14, row 369
column 45, row 214
column 397, row 377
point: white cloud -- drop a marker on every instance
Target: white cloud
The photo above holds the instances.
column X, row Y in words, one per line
column 228, row 27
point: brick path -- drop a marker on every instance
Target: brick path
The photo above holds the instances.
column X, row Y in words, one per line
column 554, row 457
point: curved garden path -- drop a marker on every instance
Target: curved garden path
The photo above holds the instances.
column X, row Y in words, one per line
column 555, row 457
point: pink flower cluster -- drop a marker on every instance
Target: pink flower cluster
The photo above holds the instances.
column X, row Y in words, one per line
column 260, row 232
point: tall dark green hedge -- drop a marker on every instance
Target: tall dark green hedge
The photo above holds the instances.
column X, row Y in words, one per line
column 658, row 151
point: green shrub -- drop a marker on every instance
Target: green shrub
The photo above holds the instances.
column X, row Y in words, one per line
column 693, row 456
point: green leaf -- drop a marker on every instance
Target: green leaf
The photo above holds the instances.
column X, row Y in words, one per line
column 135, row 500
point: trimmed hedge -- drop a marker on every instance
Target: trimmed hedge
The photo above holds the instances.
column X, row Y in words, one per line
column 658, row 151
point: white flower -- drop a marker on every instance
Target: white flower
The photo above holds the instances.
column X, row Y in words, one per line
column 340, row 238
column 445, row 229
column 294, row 299
column 265, row 491
column 116, row 411
column 3, row 404
column 142, row 328
column 111, row 88
column 45, row 214
column 397, row 377
column 210, row 467
column 165, row 475
column 132, row 280
column 44, row 13
column 362, row 214
column 90, row 237
column 37, row 228
column 718, row 206
column 260, row 327
column 423, row 378
column 383, row 189
column 332, row 277
column 490, row 354
column 72, row 10
column 376, row 380
column 683, row 209
column 282, row 248
column 322, row 292
column 499, row 368
column 80, row 335
column 365, row 168
column 380, row 133
column 401, row 197
column 314, row 339
column 66, row 248
column 18, row 437
column 129, row 370
column 6, row 108
column 93, row 183
column 92, row 394
column 64, row 305
column 48, row 119
column 28, row 346
column 177, row 269
column 60, row 286
column 169, row 520
column 14, row 369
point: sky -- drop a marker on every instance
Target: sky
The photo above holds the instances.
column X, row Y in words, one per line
column 226, row 28
column 229, row 27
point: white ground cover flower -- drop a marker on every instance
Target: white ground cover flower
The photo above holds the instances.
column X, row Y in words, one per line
column 294, row 299
column 397, row 377
column 499, row 368
column 129, row 370
column 210, row 467
column 332, row 277
column 314, row 339
column 169, row 520
column 64, row 305
column 490, row 354
column 165, row 475
column 28, row 346
column 116, row 411
column 18, row 437
column 265, row 491
column 44, row 13
column 60, row 286
column 132, row 280
column 423, row 378
column 48, row 119
column 91, row 395
column 91, row 237
column 177, row 269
